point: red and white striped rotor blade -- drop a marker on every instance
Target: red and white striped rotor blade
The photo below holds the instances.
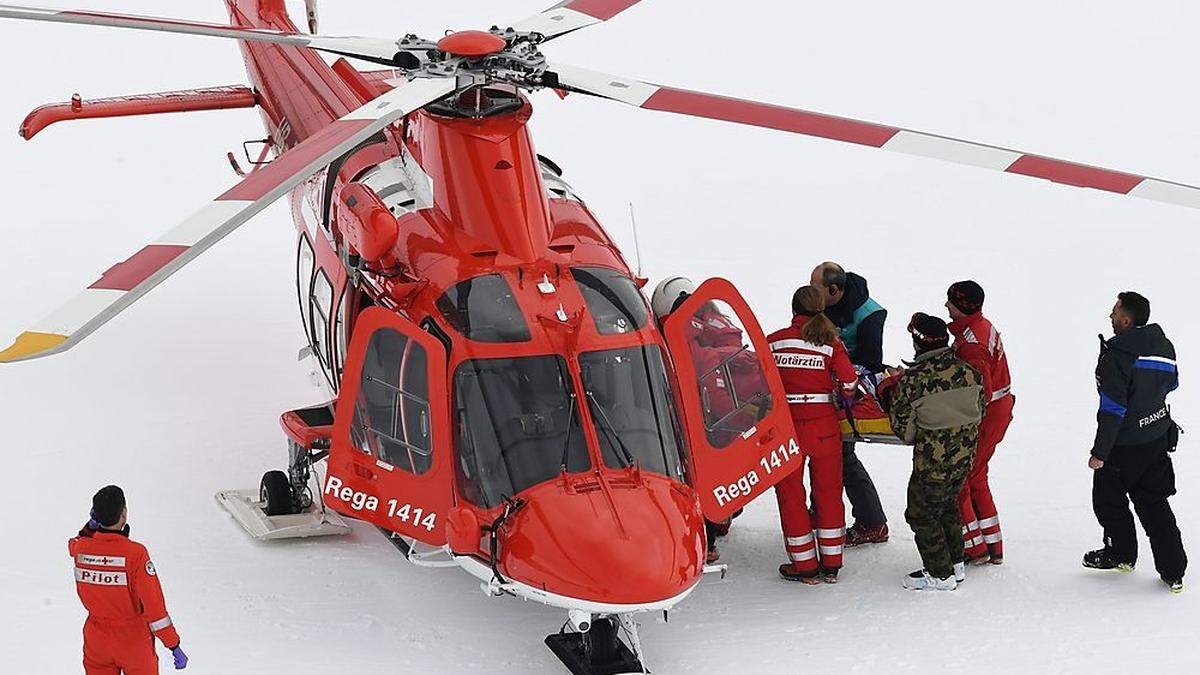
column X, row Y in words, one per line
column 126, row 282
column 571, row 15
column 795, row 120
column 376, row 49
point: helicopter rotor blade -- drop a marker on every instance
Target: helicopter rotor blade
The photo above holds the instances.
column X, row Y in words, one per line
column 795, row 120
column 126, row 282
column 372, row 49
column 571, row 15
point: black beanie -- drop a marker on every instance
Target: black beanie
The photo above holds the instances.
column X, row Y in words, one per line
column 107, row 505
column 967, row 296
column 929, row 332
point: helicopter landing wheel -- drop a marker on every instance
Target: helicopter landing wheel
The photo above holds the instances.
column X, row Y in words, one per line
column 275, row 492
column 599, row 651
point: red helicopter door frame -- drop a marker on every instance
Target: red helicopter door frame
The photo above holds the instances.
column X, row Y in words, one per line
column 390, row 462
column 738, row 424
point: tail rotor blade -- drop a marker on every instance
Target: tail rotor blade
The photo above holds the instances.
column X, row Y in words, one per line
column 848, row 130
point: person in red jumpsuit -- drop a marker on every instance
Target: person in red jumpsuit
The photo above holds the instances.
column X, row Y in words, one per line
column 716, row 342
column 816, row 372
column 977, row 342
column 119, row 587
column 723, row 365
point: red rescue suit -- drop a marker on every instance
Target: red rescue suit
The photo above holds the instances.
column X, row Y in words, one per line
column 813, row 376
column 714, row 340
column 119, row 588
column 977, row 342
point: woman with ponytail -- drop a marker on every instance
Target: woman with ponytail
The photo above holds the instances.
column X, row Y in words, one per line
column 816, row 372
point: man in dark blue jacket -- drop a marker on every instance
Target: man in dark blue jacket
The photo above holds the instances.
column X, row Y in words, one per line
column 859, row 320
column 1134, row 433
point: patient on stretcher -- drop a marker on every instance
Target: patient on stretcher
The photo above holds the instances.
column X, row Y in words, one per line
column 871, row 421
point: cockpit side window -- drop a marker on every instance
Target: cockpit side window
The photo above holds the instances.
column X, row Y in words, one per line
column 517, row 424
column 612, row 298
column 484, row 309
column 391, row 414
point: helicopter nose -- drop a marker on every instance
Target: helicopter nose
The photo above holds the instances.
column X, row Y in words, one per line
column 636, row 542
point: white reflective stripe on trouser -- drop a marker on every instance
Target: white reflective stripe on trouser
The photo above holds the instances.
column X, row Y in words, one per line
column 1000, row 393
column 162, row 623
column 977, row 541
column 993, row 538
column 989, row 522
column 100, row 578
column 802, row 555
column 831, row 550
column 799, row 541
column 810, row 398
column 831, row 534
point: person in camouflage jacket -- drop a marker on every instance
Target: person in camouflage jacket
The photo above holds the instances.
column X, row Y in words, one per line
column 936, row 405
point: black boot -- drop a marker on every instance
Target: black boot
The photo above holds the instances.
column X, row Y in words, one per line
column 1176, row 585
column 1102, row 559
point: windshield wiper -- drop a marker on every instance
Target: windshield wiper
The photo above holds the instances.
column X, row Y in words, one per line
column 609, row 429
column 567, row 444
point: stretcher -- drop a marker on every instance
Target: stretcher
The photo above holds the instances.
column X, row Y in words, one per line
column 870, row 420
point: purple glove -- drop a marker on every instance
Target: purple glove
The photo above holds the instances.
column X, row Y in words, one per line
column 92, row 523
column 847, row 401
column 180, row 658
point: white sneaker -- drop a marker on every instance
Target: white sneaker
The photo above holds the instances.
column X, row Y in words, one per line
column 960, row 572
column 922, row 580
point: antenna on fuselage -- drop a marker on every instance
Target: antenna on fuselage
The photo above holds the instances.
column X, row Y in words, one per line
column 637, row 247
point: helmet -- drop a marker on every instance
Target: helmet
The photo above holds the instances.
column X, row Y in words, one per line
column 668, row 292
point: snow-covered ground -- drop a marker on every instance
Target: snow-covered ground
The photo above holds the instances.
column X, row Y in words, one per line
column 179, row 397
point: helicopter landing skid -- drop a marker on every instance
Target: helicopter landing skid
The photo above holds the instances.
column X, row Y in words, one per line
column 598, row 651
column 246, row 507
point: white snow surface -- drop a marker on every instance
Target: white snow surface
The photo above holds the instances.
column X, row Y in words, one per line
column 179, row 396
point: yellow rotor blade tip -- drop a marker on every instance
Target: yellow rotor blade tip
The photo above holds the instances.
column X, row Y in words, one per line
column 29, row 345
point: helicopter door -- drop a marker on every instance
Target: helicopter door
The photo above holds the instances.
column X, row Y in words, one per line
column 735, row 408
column 390, row 460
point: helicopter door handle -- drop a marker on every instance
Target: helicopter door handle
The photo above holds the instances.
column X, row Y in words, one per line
column 363, row 472
column 767, row 436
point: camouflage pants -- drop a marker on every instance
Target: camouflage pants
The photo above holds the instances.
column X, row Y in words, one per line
column 932, row 511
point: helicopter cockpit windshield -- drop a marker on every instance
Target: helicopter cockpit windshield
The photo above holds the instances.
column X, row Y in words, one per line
column 612, row 298
column 631, row 408
column 516, row 425
column 484, row 309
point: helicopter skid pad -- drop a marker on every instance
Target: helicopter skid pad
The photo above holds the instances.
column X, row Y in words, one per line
column 568, row 647
column 247, row 510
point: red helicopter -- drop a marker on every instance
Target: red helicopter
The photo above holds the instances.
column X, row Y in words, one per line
column 502, row 399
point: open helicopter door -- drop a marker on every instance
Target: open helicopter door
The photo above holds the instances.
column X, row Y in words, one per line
column 390, row 460
column 735, row 408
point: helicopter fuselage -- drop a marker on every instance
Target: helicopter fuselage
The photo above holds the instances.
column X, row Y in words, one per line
column 535, row 305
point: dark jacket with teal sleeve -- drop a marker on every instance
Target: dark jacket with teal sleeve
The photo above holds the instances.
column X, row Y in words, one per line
column 860, row 321
column 1134, row 374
